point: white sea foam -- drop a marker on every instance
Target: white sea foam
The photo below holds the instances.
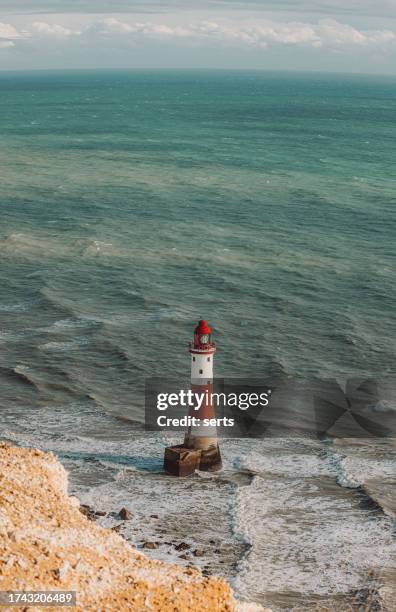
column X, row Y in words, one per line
column 306, row 541
column 307, row 535
column 355, row 471
column 69, row 324
column 7, row 335
column 64, row 346
column 18, row 307
column 39, row 244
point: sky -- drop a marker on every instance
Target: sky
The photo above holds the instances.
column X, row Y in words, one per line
column 325, row 35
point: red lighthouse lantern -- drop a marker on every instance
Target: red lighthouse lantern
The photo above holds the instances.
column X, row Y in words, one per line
column 202, row 338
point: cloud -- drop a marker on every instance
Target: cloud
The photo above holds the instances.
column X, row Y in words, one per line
column 268, row 33
column 115, row 26
column 110, row 25
column 326, row 33
column 48, row 29
column 8, row 34
column 337, row 34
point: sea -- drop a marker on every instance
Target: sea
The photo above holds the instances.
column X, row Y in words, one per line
column 132, row 204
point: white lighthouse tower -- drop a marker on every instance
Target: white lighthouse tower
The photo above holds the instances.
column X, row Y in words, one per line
column 200, row 436
column 200, row 448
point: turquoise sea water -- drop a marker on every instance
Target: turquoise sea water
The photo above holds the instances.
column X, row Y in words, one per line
column 133, row 204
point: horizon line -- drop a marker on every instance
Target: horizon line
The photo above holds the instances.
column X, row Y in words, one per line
column 197, row 69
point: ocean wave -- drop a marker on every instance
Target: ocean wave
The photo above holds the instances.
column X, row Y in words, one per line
column 7, row 335
column 17, row 307
column 97, row 248
column 298, row 460
column 150, row 314
column 70, row 324
column 356, row 471
column 19, row 374
column 39, row 245
column 52, row 384
column 57, row 301
column 360, row 468
column 32, row 244
column 70, row 345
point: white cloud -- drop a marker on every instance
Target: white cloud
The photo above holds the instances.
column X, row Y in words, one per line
column 326, row 33
column 267, row 33
column 110, row 26
column 51, row 29
column 335, row 34
column 9, row 32
column 115, row 26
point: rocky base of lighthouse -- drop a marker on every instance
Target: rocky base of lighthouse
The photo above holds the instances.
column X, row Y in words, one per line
column 210, row 460
column 182, row 461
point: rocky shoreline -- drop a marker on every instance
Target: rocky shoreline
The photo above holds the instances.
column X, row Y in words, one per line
column 48, row 541
column 184, row 550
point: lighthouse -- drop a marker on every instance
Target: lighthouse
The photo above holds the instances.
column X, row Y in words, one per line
column 200, row 436
column 200, row 449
